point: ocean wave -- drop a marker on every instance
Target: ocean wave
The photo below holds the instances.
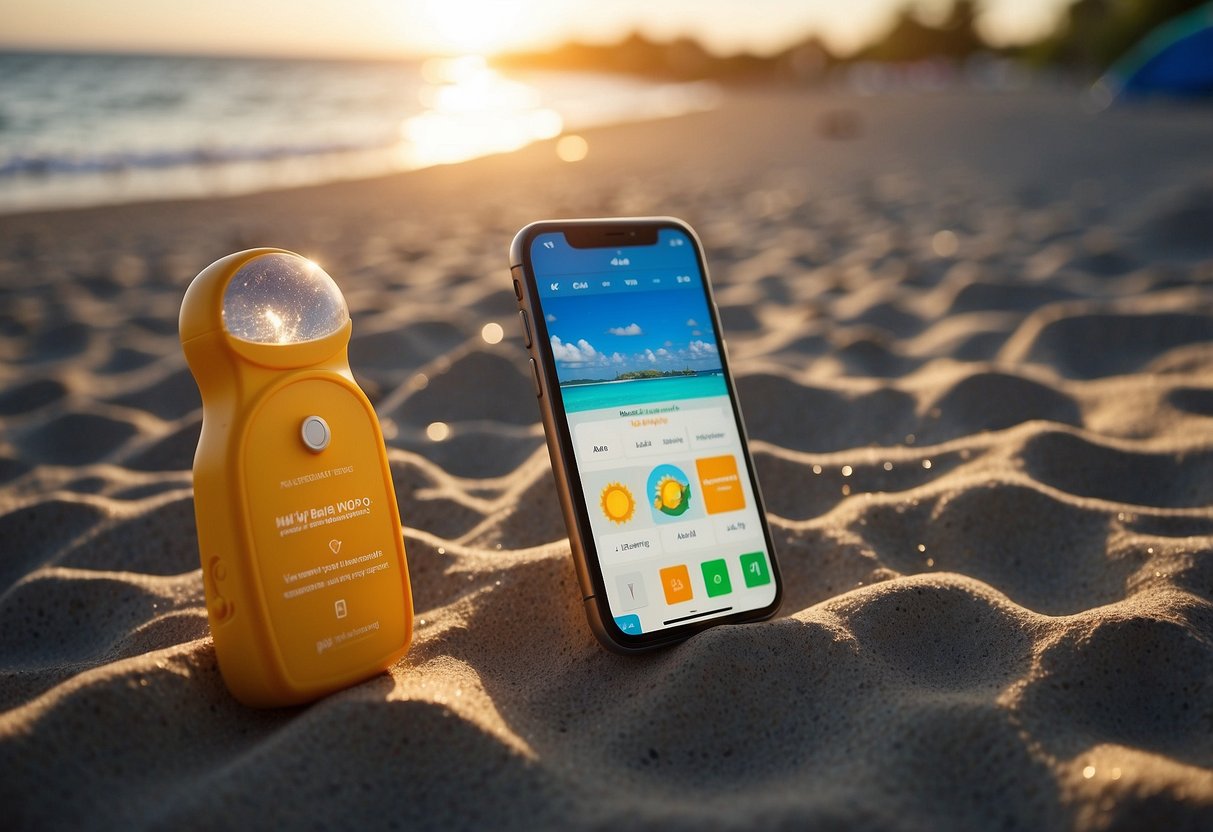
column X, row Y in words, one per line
column 46, row 164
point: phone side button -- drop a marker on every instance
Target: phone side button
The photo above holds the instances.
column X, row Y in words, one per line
column 535, row 378
column 526, row 327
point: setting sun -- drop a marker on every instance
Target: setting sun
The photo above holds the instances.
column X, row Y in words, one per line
column 475, row 26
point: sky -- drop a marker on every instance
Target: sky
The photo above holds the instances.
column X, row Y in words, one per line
column 404, row 28
column 603, row 335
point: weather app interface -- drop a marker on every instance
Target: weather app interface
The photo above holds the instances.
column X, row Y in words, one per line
column 658, row 449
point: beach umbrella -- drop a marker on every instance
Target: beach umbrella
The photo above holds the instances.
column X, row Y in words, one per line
column 1175, row 59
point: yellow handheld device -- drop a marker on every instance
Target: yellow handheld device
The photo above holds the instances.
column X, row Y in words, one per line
column 307, row 587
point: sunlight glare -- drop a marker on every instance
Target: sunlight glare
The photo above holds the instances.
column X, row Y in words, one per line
column 492, row 333
column 572, row 148
column 472, row 110
column 281, row 335
column 453, row 70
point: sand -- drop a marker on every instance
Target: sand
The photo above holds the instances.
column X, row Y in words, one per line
column 986, row 455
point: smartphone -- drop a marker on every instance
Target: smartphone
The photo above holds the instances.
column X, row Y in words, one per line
column 664, row 514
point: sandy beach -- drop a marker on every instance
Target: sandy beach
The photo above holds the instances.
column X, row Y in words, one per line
column 973, row 338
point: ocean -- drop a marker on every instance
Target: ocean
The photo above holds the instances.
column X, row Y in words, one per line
column 81, row 129
column 581, row 397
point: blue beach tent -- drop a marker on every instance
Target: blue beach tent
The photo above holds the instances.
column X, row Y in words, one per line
column 1176, row 59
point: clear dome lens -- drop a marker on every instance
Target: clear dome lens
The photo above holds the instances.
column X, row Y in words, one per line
column 282, row 299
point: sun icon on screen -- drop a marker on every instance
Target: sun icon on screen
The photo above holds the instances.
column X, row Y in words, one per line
column 668, row 491
column 618, row 504
column 671, row 496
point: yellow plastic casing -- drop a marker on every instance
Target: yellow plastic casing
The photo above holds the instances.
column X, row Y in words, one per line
column 302, row 553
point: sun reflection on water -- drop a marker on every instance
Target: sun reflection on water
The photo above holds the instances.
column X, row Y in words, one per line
column 472, row 110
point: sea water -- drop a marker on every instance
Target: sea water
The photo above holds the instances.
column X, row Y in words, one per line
column 81, row 129
column 595, row 395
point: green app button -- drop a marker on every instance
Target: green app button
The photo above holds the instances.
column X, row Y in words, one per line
column 716, row 577
column 754, row 568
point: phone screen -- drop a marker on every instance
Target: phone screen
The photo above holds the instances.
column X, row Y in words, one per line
column 676, row 525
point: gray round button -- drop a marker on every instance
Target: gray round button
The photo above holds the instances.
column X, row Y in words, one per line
column 315, row 433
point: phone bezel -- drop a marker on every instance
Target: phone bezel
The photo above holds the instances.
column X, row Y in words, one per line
column 620, row 232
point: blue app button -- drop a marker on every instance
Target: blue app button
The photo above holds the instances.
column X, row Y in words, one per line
column 630, row 624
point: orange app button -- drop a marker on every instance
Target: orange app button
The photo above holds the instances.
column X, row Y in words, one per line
column 719, row 484
column 676, row 581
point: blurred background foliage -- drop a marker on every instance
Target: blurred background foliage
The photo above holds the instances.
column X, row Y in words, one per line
column 1094, row 33
column 1087, row 39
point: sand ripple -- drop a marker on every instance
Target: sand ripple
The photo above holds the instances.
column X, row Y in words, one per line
column 987, row 471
